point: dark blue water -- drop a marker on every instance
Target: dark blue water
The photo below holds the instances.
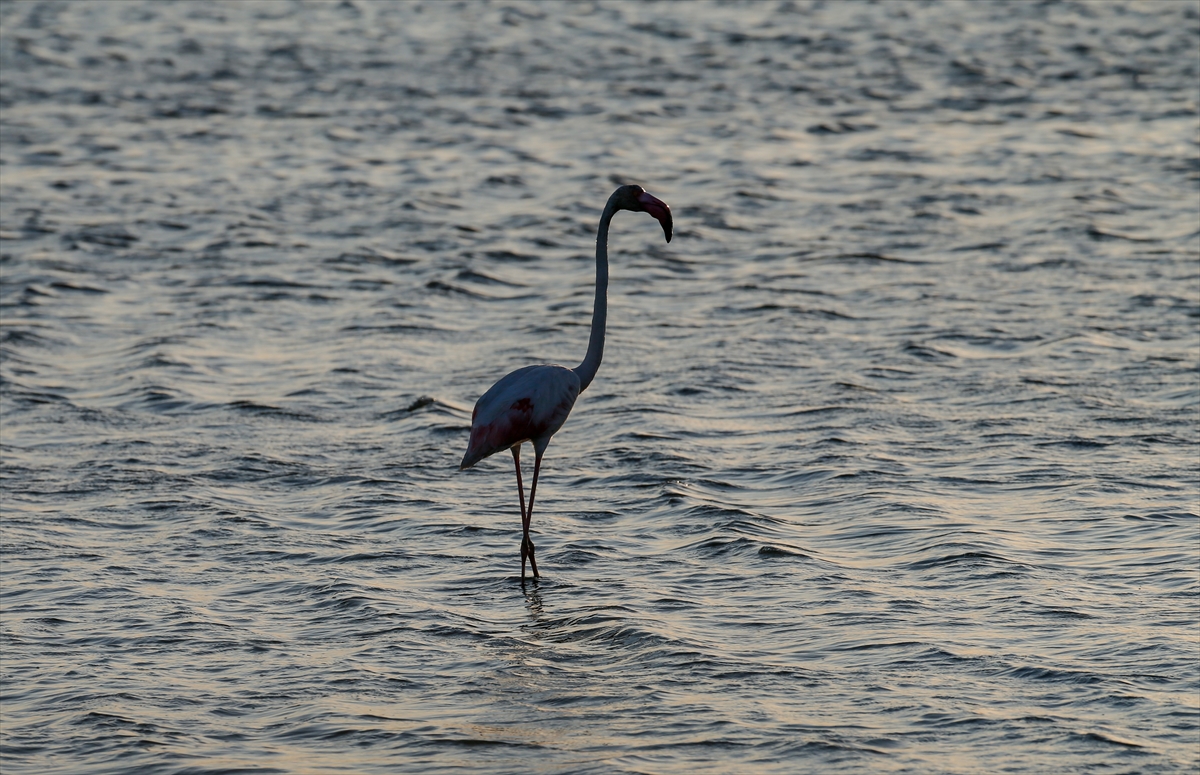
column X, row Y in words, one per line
column 891, row 465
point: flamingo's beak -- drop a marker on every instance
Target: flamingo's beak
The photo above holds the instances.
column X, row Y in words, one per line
column 658, row 208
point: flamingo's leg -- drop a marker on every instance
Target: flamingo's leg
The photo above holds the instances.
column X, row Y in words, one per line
column 527, row 543
column 516, row 450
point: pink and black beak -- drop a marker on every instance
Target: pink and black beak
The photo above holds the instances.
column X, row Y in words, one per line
column 658, row 208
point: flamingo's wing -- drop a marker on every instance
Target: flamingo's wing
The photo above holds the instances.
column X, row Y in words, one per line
column 530, row 404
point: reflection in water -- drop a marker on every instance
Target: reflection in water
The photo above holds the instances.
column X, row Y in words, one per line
column 533, row 598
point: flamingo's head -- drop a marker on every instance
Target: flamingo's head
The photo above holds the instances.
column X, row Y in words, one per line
column 636, row 198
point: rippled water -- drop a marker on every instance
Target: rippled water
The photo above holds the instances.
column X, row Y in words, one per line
column 891, row 464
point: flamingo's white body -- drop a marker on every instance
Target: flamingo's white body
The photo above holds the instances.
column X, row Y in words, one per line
column 532, row 403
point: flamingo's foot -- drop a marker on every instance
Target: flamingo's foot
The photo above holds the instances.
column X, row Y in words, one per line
column 527, row 551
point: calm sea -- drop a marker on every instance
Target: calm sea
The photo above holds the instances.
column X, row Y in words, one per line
column 891, row 466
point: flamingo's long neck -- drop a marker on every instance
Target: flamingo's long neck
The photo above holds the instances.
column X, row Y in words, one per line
column 595, row 352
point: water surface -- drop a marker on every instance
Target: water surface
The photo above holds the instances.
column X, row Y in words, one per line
column 891, row 464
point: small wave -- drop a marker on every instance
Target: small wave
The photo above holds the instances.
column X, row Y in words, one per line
column 1111, row 739
column 444, row 287
column 367, row 255
column 1075, row 443
column 14, row 337
column 266, row 410
column 783, row 550
column 161, row 400
column 969, row 559
column 1031, row 673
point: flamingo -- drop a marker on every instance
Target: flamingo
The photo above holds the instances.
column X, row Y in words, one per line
column 532, row 403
